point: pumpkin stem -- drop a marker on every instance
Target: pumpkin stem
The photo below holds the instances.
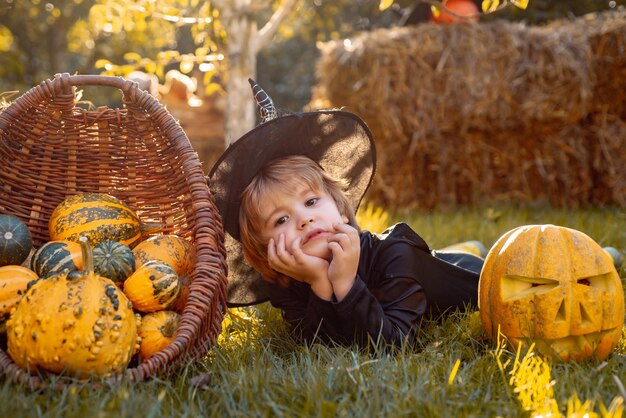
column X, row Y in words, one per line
column 169, row 327
column 87, row 253
column 150, row 228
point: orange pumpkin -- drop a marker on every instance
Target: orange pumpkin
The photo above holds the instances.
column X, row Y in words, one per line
column 14, row 281
column 77, row 323
column 465, row 8
column 171, row 249
column 181, row 301
column 157, row 331
column 153, row 287
column 553, row 286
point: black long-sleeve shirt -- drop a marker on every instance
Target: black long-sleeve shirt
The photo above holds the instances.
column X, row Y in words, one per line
column 399, row 280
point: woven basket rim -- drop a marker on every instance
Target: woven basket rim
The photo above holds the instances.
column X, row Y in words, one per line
column 207, row 234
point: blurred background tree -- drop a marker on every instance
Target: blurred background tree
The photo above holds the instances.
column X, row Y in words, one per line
column 39, row 38
column 289, row 80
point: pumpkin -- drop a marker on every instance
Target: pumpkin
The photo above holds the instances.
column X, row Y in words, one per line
column 553, row 286
column 98, row 216
column 171, row 249
column 157, row 331
column 14, row 281
column 55, row 256
column 471, row 247
column 153, row 286
column 181, row 301
column 15, row 240
column 113, row 260
column 465, row 8
column 615, row 255
column 78, row 323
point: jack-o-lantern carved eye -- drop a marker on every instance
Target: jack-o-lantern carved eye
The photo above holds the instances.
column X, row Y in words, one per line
column 604, row 282
column 517, row 287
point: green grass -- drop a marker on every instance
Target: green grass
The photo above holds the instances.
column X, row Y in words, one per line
column 257, row 369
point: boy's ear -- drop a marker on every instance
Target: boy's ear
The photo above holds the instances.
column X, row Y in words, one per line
column 345, row 219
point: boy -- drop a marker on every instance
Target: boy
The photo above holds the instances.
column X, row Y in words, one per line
column 288, row 191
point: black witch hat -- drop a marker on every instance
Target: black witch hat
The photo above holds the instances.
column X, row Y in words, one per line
column 339, row 141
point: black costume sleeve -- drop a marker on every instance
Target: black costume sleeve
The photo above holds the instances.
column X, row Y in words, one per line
column 398, row 281
column 381, row 305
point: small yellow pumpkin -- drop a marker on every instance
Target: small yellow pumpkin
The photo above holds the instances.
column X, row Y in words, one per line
column 153, row 286
column 14, row 281
column 157, row 331
column 171, row 249
column 76, row 323
column 98, row 216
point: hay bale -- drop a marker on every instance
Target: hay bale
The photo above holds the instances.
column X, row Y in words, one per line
column 459, row 77
column 469, row 167
column 606, row 35
column 473, row 112
column 607, row 136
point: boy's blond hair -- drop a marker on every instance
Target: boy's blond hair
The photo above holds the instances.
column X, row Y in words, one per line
column 283, row 172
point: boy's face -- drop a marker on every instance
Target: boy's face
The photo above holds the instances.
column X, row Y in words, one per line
column 300, row 213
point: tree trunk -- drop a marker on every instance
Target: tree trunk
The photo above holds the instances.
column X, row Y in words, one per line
column 57, row 49
column 240, row 111
column 245, row 41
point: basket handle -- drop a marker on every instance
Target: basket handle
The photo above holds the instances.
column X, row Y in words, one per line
column 63, row 83
column 65, row 80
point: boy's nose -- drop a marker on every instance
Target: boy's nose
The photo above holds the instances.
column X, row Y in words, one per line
column 305, row 222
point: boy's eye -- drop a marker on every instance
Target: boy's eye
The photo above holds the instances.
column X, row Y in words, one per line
column 311, row 202
column 281, row 220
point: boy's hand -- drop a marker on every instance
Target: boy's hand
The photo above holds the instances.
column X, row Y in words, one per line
column 346, row 248
column 300, row 266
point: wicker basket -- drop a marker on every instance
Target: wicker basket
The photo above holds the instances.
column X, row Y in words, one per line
column 51, row 148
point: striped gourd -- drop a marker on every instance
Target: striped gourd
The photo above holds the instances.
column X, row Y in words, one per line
column 98, row 216
column 153, row 286
column 15, row 240
column 113, row 260
column 54, row 256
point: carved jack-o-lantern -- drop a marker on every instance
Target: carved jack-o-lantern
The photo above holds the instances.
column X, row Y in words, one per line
column 553, row 286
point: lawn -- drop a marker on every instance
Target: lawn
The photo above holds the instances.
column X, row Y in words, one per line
column 258, row 370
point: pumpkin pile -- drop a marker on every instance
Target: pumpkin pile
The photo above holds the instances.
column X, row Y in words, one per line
column 99, row 293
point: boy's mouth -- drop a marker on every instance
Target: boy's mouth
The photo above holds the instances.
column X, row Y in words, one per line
column 313, row 234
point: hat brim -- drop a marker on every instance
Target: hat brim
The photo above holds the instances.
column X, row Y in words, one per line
column 340, row 142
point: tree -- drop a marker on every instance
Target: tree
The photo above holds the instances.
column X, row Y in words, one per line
column 36, row 41
column 222, row 28
column 245, row 41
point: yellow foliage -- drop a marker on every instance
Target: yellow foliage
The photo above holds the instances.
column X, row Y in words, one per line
column 238, row 326
column 531, row 381
column 6, row 39
column 533, row 384
column 384, row 4
column 372, row 218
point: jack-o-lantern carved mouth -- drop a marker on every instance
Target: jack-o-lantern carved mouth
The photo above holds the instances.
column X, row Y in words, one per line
column 573, row 346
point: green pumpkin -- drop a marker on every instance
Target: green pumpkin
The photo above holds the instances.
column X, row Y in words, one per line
column 113, row 260
column 15, row 240
column 55, row 256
